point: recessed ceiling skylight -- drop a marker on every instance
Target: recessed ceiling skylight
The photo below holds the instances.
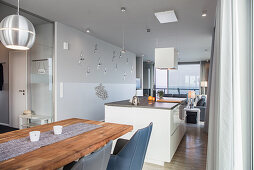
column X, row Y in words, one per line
column 166, row 16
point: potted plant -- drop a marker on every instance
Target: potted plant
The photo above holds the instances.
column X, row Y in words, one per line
column 160, row 94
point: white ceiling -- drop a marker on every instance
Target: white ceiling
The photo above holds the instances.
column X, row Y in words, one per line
column 192, row 34
column 6, row 10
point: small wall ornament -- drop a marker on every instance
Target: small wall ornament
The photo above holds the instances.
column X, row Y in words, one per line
column 88, row 71
column 99, row 64
column 81, row 58
column 101, row 92
column 95, row 48
column 132, row 68
column 114, row 56
column 120, row 54
column 116, row 67
column 124, row 75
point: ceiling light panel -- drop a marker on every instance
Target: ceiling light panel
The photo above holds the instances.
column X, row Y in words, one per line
column 166, row 16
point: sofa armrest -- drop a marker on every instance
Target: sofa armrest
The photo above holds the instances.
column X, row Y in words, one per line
column 202, row 112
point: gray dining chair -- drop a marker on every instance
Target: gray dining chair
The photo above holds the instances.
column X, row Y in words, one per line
column 97, row 160
column 130, row 154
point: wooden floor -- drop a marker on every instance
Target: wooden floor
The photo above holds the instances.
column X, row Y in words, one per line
column 191, row 153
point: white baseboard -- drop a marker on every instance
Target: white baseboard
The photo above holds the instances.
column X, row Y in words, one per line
column 161, row 163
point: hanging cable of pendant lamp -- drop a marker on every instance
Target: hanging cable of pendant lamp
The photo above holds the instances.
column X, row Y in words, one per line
column 18, row 8
column 123, row 48
column 123, row 10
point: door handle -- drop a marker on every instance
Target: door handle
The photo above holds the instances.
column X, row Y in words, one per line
column 22, row 91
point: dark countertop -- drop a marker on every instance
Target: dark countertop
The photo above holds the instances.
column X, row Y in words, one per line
column 144, row 103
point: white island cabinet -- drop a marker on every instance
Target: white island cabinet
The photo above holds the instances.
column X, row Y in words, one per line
column 168, row 126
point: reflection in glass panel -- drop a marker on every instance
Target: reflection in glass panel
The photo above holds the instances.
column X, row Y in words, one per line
column 41, row 71
column 185, row 78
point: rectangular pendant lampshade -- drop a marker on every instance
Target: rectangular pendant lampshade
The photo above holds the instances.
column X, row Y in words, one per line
column 166, row 58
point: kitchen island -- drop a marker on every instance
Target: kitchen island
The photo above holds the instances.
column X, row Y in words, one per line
column 168, row 125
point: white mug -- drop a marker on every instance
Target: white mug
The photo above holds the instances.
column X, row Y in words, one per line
column 34, row 136
column 58, row 129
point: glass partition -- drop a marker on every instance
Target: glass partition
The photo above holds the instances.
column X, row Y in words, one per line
column 41, row 71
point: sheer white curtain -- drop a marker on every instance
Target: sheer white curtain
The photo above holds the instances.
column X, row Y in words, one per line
column 226, row 109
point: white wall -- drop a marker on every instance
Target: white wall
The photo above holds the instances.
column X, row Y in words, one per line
column 4, row 94
column 79, row 99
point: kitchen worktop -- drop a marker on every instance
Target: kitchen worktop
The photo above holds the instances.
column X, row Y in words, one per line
column 144, row 103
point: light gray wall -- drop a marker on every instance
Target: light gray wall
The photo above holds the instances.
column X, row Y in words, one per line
column 79, row 99
column 4, row 94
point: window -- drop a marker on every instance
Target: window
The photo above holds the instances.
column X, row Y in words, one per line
column 161, row 78
column 185, row 78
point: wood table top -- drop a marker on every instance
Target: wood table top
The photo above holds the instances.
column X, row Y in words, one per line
column 61, row 153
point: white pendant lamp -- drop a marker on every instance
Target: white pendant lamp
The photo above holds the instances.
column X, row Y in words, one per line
column 17, row 32
column 166, row 58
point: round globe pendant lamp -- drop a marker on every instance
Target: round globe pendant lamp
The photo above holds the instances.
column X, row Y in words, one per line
column 17, row 32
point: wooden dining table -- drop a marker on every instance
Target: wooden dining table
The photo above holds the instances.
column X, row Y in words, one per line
column 58, row 154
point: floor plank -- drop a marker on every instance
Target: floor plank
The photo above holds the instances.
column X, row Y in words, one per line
column 191, row 153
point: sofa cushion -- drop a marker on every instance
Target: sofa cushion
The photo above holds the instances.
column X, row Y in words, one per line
column 201, row 102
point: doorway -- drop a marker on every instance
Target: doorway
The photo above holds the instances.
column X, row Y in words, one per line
column 17, row 85
column 35, row 93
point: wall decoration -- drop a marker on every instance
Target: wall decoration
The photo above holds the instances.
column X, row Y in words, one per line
column 120, row 55
column 116, row 67
column 114, row 56
column 124, row 75
column 101, row 92
column 122, row 66
column 99, row 64
column 132, row 68
column 88, row 71
column 81, row 58
column 95, row 48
